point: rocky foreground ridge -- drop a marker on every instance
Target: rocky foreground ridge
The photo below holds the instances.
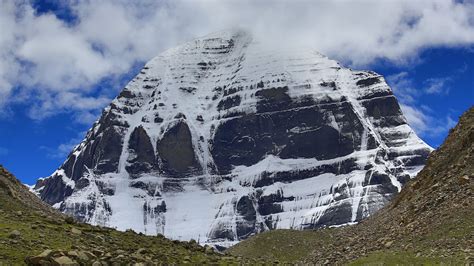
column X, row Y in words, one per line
column 223, row 137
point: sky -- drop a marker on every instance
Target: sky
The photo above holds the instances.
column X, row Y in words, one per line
column 62, row 62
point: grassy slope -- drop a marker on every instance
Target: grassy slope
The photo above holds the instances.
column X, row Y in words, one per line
column 430, row 222
column 43, row 228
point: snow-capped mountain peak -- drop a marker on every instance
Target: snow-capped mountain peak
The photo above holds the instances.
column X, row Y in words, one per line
column 221, row 138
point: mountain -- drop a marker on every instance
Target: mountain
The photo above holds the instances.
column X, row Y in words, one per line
column 33, row 233
column 430, row 222
column 224, row 137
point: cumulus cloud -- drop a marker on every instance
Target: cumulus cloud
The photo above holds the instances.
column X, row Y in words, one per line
column 420, row 117
column 416, row 118
column 48, row 104
column 403, row 87
column 57, row 64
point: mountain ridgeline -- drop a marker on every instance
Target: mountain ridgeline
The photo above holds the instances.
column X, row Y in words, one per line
column 222, row 138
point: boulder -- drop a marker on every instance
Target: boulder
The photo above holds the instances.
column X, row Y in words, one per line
column 15, row 234
column 64, row 261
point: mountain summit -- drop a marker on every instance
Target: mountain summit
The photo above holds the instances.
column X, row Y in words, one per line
column 221, row 138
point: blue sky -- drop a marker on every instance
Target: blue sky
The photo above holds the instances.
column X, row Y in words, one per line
column 60, row 64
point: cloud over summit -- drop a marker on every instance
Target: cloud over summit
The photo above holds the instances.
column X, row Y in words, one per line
column 57, row 63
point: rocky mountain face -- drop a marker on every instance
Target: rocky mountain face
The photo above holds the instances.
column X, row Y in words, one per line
column 430, row 222
column 221, row 138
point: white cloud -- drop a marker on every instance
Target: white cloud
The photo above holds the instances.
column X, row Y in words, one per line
column 416, row 118
column 403, row 87
column 425, row 123
column 56, row 65
column 49, row 104
column 437, row 85
column 420, row 117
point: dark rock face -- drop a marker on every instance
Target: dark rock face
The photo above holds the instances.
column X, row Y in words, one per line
column 176, row 151
column 107, row 152
column 273, row 99
column 300, row 133
column 101, row 154
column 335, row 215
column 319, row 144
column 245, row 227
column 144, row 155
column 54, row 190
column 271, row 204
column 220, row 139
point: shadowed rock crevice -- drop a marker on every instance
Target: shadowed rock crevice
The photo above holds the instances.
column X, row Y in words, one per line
column 176, row 151
column 142, row 156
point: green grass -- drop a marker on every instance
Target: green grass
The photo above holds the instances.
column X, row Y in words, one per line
column 281, row 245
column 290, row 246
column 406, row 258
